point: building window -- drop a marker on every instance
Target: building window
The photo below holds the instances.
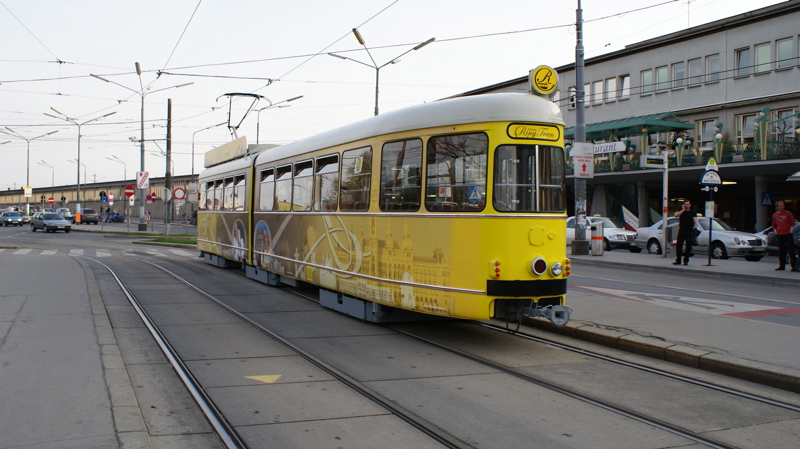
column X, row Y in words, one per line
column 763, row 58
column 706, row 133
column 678, row 75
column 743, row 62
column 597, row 92
column 647, row 81
column 784, row 126
column 695, row 71
column 611, row 89
column 712, row 68
column 624, row 86
column 745, row 125
column 662, row 78
column 587, row 94
column 783, row 53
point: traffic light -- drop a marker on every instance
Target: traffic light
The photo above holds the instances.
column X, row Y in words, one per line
column 42, row 198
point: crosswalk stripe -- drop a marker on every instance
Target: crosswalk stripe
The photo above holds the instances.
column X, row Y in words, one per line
column 100, row 252
column 76, row 252
column 23, row 251
column 49, row 252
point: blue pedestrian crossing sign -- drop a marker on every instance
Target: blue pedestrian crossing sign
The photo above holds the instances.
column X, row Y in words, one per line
column 474, row 193
column 766, row 198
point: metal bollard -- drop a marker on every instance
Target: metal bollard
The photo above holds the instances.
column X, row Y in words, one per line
column 598, row 240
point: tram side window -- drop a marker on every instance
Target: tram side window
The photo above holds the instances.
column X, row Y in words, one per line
column 227, row 203
column 326, row 183
column 218, row 195
column 266, row 194
column 239, row 192
column 283, row 187
column 401, row 175
column 356, row 176
column 551, row 180
column 302, row 185
column 207, row 196
column 528, row 178
column 456, row 173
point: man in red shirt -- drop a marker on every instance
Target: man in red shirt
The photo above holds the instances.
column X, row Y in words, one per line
column 783, row 224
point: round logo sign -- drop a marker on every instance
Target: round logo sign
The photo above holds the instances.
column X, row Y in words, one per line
column 129, row 190
column 544, row 81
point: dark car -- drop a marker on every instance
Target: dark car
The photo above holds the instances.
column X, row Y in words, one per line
column 772, row 241
column 12, row 218
column 89, row 216
column 49, row 222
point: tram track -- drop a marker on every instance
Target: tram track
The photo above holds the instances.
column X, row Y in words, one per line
column 224, row 429
column 444, row 437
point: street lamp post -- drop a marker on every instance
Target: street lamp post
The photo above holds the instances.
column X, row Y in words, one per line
column 142, row 93
column 271, row 105
column 375, row 65
column 114, row 158
column 28, row 141
column 74, row 121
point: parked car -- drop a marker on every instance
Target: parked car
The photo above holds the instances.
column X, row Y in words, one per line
column 89, row 216
column 65, row 212
column 772, row 241
column 25, row 218
column 726, row 241
column 11, row 218
column 49, row 222
column 649, row 237
column 614, row 235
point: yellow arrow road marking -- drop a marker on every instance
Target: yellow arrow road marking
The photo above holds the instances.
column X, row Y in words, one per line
column 265, row 379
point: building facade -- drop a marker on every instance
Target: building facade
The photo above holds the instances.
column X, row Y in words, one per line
column 728, row 89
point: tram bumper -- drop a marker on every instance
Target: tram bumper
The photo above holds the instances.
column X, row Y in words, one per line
column 518, row 303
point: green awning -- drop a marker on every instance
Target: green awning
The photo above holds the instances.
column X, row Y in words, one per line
column 663, row 121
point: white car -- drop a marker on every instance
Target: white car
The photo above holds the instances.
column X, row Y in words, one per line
column 614, row 235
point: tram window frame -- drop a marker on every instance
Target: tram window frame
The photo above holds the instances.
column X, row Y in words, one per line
column 283, row 188
column 204, row 196
column 219, row 192
column 326, row 183
column 456, row 172
column 532, row 182
column 239, row 200
column 303, row 186
column 401, row 175
column 266, row 190
column 227, row 203
column 356, row 179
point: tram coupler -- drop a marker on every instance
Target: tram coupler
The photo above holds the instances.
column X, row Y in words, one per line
column 558, row 315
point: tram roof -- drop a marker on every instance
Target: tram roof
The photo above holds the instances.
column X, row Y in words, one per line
column 516, row 107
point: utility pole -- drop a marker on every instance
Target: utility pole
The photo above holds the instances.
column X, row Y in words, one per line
column 580, row 246
column 168, row 173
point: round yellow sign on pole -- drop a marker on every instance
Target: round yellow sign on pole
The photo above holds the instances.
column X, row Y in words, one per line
column 544, row 81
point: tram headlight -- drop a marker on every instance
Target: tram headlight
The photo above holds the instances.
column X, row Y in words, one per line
column 538, row 266
column 557, row 269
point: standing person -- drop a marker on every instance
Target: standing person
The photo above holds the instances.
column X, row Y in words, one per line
column 783, row 224
column 687, row 221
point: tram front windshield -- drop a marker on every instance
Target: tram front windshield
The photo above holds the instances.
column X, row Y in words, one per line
column 528, row 178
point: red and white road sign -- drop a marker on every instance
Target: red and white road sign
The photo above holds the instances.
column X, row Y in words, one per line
column 51, row 201
column 143, row 179
column 129, row 190
column 179, row 193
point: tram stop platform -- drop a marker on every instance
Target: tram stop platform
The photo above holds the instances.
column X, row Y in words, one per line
column 739, row 345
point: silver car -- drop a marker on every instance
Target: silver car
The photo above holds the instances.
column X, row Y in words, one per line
column 649, row 237
column 49, row 222
column 726, row 241
column 614, row 235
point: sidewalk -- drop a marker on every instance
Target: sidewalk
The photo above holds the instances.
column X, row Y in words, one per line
column 750, row 349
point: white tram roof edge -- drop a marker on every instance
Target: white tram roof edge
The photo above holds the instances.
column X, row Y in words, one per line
column 512, row 107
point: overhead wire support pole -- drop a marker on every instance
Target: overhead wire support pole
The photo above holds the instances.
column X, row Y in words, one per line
column 580, row 246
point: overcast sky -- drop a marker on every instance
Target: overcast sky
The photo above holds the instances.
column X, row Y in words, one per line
column 276, row 49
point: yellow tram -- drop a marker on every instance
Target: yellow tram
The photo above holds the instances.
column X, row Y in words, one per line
column 454, row 208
